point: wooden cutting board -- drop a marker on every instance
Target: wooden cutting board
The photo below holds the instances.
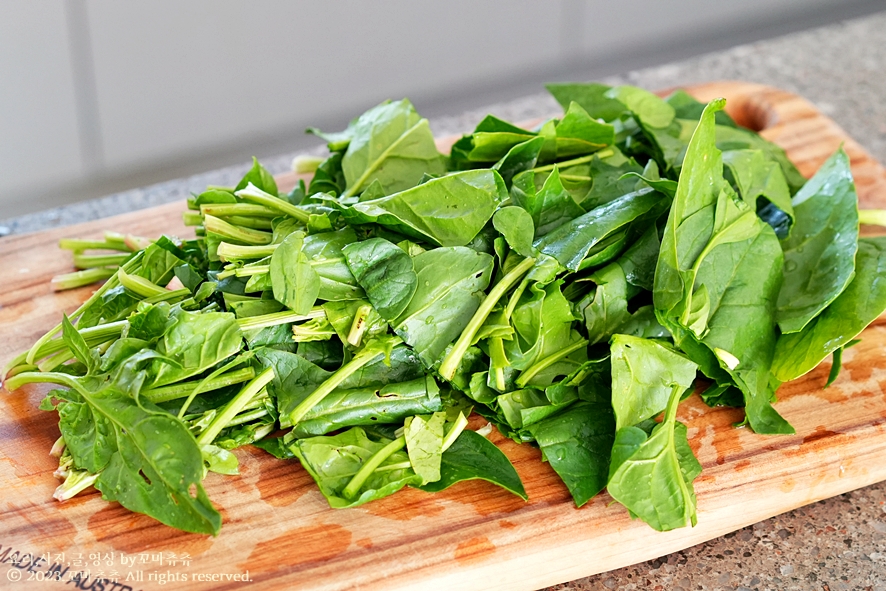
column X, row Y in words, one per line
column 279, row 532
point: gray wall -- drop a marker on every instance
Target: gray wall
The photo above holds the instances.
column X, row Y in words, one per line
column 102, row 95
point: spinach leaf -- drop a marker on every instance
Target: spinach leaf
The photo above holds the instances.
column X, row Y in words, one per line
column 390, row 144
column 550, row 207
column 860, row 303
column 651, row 109
column 88, row 434
column 329, row 178
column 294, row 379
column 591, row 96
column 543, row 323
column 718, row 273
column 450, row 288
column 77, row 344
column 276, row 447
column 424, row 445
column 639, row 260
column 737, row 138
column 577, row 444
column 332, row 461
column 819, row 254
column 195, row 342
column 644, row 373
column 686, row 107
column 520, row 158
column 369, row 405
column 754, row 176
column 259, row 177
column 608, row 172
column 577, row 133
column 522, row 408
column 448, row 211
column 653, row 476
column 474, row 457
column 150, row 462
column 295, row 283
column 515, row 224
column 608, row 310
column 571, row 242
column 324, row 252
column 490, row 141
column 385, row 272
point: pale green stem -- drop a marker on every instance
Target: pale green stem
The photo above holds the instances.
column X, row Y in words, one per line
column 236, row 233
column 253, row 194
column 362, row 358
column 358, row 326
column 241, row 209
column 235, row 405
column 457, row 427
column 370, row 465
column 183, row 389
column 453, row 359
column 873, row 217
column 139, row 285
column 276, row 318
column 89, row 261
column 81, row 278
column 234, row 252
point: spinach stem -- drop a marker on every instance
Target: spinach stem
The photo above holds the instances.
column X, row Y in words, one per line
column 139, row 285
column 236, row 233
column 873, row 217
column 457, row 427
column 238, row 209
column 88, row 261
column 182, row 389
column 362, row 358
column 235, row 405
column 129, row 266
column 573, row 162
column 275, row 318
column 78, row 245
column 453, row 359
column 81, row 278
column 228, row 252
column 253, row 194
column 499, row 361
column 369, row 466
column 358, row 326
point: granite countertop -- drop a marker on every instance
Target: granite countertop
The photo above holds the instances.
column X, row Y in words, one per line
column 837, row 544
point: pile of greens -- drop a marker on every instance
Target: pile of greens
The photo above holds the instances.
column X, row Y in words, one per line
column 567, row 283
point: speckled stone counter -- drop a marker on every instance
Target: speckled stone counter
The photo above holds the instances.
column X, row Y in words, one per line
column 837, row 544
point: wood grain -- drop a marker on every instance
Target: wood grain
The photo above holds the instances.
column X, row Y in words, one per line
column 278, row 527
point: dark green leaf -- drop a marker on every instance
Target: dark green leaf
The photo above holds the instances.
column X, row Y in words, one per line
column 449, row 211
column 332, row 461
column 473, row 457
column 385, row 272
column 295, row 283
column 860, row 303
column 259, row 177
column 644, row 373
column 450, row 288
column 577, row 443
column 515, row 224
column 819, row 253
column 591, row 96
column 571, row 242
